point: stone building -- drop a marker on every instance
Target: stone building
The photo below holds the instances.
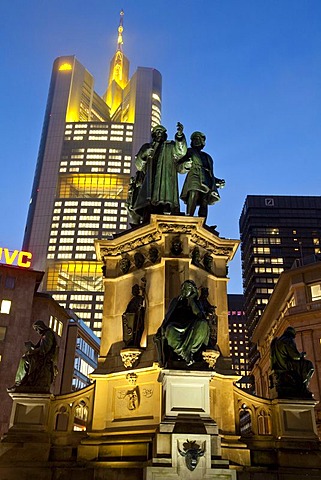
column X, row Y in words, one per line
column 296, row 302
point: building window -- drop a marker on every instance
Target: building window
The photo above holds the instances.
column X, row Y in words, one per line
column 3, row 331
column 315, row 292
column 10, row 282
column 56, row 325
column 5, row 306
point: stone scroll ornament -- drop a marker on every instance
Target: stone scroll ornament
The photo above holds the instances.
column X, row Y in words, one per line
column 291, row 371
column 185, row 332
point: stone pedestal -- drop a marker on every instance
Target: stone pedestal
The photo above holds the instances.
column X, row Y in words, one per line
column 185, row 392
column 187, row 445
column 295, row 420
column 30, row 411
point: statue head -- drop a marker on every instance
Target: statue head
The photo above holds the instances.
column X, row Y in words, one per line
column 208, row 262
column 188, row 289
column 135, row 290
column 198, row 140
column 153, row 254
column 290, row 332
column 159, row 133
column 176, row 247
column 139, row 259
column 204, row 292
column 124, row 265
column 40, row 327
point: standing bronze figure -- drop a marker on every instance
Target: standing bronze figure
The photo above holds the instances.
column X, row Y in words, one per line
column 133, row 318
column 201, row 186
column 158, row 162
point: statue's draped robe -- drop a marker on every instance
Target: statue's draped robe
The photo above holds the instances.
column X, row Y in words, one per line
column 185, row 328
column 160, row 185
column 285, row 357
column 37, row 370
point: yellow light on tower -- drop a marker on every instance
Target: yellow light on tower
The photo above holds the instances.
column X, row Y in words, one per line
column 65, row 67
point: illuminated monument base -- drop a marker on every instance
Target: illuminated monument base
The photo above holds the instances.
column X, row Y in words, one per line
column 142, row 420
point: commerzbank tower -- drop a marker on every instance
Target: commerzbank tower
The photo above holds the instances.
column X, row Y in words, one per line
column 84, row 164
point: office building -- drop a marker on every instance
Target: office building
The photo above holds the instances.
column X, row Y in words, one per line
column 20, row 306
column 239, row 344
column 81, row 355
column 275, row 231
column 83, row 169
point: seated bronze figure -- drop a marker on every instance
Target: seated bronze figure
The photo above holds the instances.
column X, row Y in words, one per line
column 185, row 331
column 291, row 372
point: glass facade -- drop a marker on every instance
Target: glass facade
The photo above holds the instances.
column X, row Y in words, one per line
column 82, row 177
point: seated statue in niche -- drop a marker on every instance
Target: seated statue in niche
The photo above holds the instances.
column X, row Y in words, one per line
column 133, row 318
column 292, row 372
column 37, row 367
column 185, row 331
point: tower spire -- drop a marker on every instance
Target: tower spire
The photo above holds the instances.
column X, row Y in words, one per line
column 118, row 73
column 120, row 32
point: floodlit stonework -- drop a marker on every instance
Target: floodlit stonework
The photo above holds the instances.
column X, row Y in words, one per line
column 151, row 422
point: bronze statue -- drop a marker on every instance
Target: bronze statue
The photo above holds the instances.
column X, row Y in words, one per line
column 196, row 257
column 37, row 367
column 135, row 184
column 185, row 329
column 208, row 262
column 201, row 186
column 158, row 162
column 176, row 246
column 139, row 259
column 133, row 318
column 153, row 254
column 211, row 316
column 291, row 370
column 124, row 265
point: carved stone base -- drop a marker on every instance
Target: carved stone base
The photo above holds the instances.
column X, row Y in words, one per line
column 130, row 356
column 186, row 392
column 172, row 459
column 29, row 411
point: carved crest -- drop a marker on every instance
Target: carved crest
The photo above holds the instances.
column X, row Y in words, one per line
column 192, row 452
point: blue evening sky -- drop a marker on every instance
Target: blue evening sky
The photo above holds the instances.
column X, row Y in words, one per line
column 245, row 72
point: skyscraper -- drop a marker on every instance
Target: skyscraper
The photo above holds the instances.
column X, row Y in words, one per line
column 275, row 232
column 82, row 173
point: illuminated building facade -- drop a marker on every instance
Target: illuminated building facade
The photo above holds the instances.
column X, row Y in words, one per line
column 238, row 333
column 275, row 231
column 82, row 174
